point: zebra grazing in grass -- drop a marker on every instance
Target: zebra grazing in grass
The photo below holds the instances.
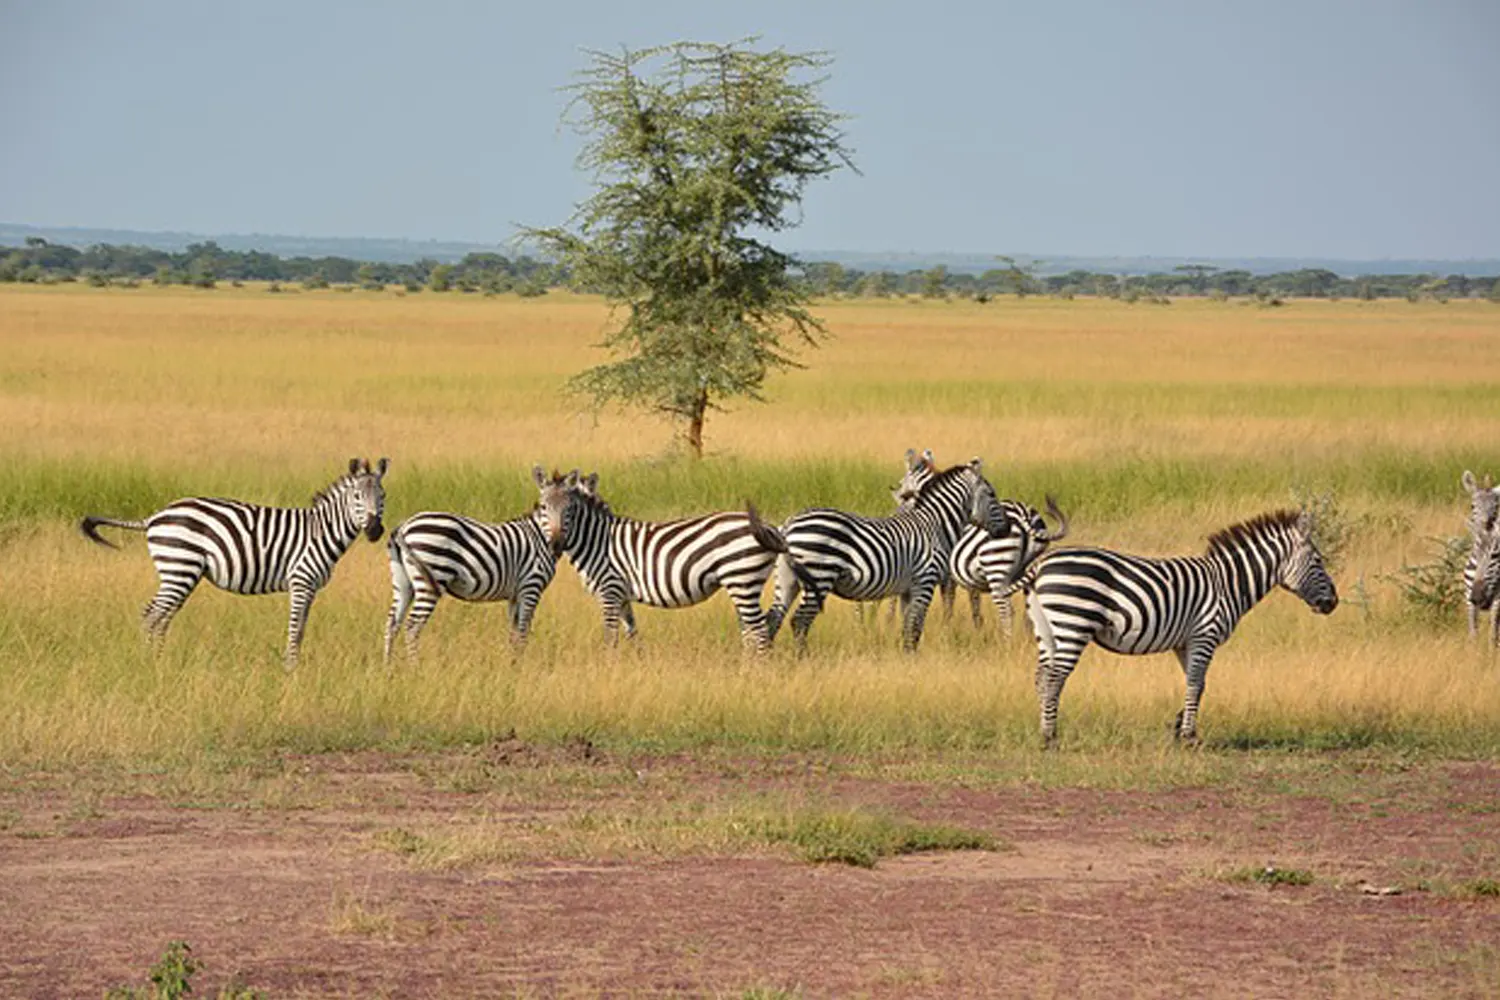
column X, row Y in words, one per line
column 1484, row 506
column 1129, row 604
column 433, row 554
column 872, row 558
column 671, row 564
column 246, row 548
column 979, row 562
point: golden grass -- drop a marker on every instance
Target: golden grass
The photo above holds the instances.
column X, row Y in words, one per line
column 268, row 395
column 238, row 375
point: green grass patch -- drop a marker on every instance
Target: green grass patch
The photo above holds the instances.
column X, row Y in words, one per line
column 859, row 838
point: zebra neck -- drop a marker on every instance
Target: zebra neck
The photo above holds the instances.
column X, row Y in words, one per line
column 332, row 523
column 1250, row 573
column 588, row 542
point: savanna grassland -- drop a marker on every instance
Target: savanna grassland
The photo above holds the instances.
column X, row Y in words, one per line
column 1153, row 426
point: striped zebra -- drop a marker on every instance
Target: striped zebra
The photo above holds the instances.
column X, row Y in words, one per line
column 246, row 548
column 1129, row 604
column 433, row 553
column 1482, row 578
column 1484, row 505
column 979, row 562
column 671, row 564
column 871, row 558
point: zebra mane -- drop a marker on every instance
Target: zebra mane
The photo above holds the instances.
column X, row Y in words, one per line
column 592, row 501
column 334, row 487
column 1233, row 537
column 946, row 476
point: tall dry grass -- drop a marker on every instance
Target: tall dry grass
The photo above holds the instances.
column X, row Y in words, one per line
column 1154, row 426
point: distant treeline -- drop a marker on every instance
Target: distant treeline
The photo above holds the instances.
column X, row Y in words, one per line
column 206, row 264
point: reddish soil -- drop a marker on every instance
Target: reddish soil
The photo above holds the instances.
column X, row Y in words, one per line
column 1094, row 893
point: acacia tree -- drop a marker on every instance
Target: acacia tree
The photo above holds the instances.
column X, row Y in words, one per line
column 695, row 149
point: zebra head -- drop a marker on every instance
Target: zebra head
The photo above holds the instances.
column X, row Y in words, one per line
column 1484, row 502
column 554, row 505
column 1302, row 571
column 986, row 512
column 361, row 494
column 919, row 469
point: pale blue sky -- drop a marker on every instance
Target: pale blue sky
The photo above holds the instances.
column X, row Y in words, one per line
column 1333, row 129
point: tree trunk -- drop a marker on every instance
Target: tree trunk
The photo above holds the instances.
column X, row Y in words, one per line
column 695, row 424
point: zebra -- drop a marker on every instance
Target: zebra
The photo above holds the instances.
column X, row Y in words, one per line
column 1482, row 578
column 434, row 553
column 981, row 563
column 1484, row 505
column 671, row 564
column 872, row 558
column 247, row 548
column 1190, row 605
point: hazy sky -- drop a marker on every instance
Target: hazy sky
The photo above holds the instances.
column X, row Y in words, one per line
column 1313, row 128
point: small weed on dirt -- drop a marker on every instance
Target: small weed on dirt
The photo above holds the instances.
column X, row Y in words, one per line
column 171, row 979
column 1268, row 875
column 858, row 838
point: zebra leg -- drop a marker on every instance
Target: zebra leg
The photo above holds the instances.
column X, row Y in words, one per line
column 1004, row 612
column 172, row 592
column 523, row 609
column 1473, row 620
column 301, row 598
column 1194, row 659
column 753, row 632
column 423, row 604
column 401, row 597
column 1495, row 625
column 917, row 601
column 808, row 608
column 1056, row 658
column 785, row 591
column 974, row 602
column 949, row 591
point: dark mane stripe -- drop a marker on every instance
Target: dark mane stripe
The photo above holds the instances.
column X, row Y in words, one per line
column 946, row 476
column 1235, row 535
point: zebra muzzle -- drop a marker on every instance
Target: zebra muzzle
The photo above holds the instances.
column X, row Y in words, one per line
column 374, row 529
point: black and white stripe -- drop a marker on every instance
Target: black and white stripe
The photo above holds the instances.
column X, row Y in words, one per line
column 980, row 562
column 671, row 564
column 1484, row 506
column 871, row 558
column 1130, row 604
column 246, row 548
column 435, row 553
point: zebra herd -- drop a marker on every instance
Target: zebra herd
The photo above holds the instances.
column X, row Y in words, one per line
column 949, row 529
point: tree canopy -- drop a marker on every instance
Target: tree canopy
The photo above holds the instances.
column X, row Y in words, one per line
column 697, row 151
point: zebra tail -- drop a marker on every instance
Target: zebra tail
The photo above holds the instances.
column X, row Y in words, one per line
column 90, row 528
column 1059, row 517
column 771, row 539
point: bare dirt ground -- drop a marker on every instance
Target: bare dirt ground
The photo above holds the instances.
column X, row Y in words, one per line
column 281, row 883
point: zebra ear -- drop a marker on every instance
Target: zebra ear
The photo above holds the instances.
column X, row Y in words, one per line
column 928, row 460
column 539, row 476
column 381, row 466
column 911, row 458
column 1468, row 481
column 353, row 466
column 591, row 482
column 977, row 465
column 1305, row 523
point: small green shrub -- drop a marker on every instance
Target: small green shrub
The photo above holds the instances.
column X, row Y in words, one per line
column 854, row 837
column 171, row 979
column 1489, row 887
column 1434, row 591
column 1269, row 875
